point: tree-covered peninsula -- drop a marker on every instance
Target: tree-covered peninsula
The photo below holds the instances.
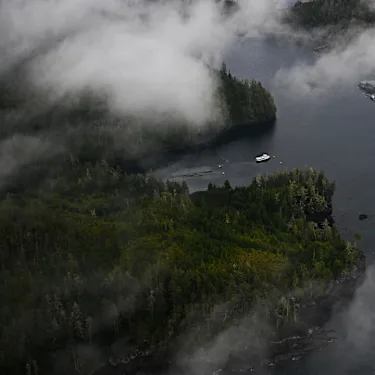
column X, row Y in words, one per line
column 88, row 128
column 99, row 264
column 247, row 102
column 239, row 103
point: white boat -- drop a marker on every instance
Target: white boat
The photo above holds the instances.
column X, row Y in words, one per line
column 263, row 157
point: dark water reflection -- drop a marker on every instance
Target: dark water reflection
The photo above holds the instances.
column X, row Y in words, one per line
column 334, row 132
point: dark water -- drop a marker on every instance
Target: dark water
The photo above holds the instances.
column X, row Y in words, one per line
column 334, row 132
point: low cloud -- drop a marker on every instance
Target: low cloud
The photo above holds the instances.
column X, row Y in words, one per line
column 144, row 57
column 355, row 329
column 245, row 341
column 345, row 64
column 20, row 150
column 360, row 321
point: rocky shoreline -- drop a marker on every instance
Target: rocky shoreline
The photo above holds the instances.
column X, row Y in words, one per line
column 314, row 313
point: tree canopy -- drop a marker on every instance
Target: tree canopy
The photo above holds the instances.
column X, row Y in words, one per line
column 341, row 13
column 246, row 101
column 96, row 259
column 86, row 127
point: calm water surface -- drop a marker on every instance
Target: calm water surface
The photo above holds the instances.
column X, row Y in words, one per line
column 334, row 133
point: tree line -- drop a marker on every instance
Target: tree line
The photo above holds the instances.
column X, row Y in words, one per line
column 88, row 128
column 340, row 13
column 99, row 261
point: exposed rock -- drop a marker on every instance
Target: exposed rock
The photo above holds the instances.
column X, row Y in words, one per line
column 314, row 313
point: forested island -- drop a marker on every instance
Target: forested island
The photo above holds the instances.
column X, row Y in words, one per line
column 100, row 265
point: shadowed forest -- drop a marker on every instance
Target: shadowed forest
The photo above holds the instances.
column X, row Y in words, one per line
column 342, row 13
column 100, row 264
column 100, row 259
column 86, row 127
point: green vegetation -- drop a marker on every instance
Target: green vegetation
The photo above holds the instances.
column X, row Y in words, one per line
column 97, row 257
column 246, row 102
column 89, row 130
column 339, row 13
column 239, row 102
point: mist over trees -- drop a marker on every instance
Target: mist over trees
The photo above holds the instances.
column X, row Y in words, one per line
column 87, row 256
column 343, row 13
column 98, row 264
column 98, row 261
column 85, row 126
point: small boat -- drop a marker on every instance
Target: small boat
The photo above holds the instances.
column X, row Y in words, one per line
column 262, row 158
